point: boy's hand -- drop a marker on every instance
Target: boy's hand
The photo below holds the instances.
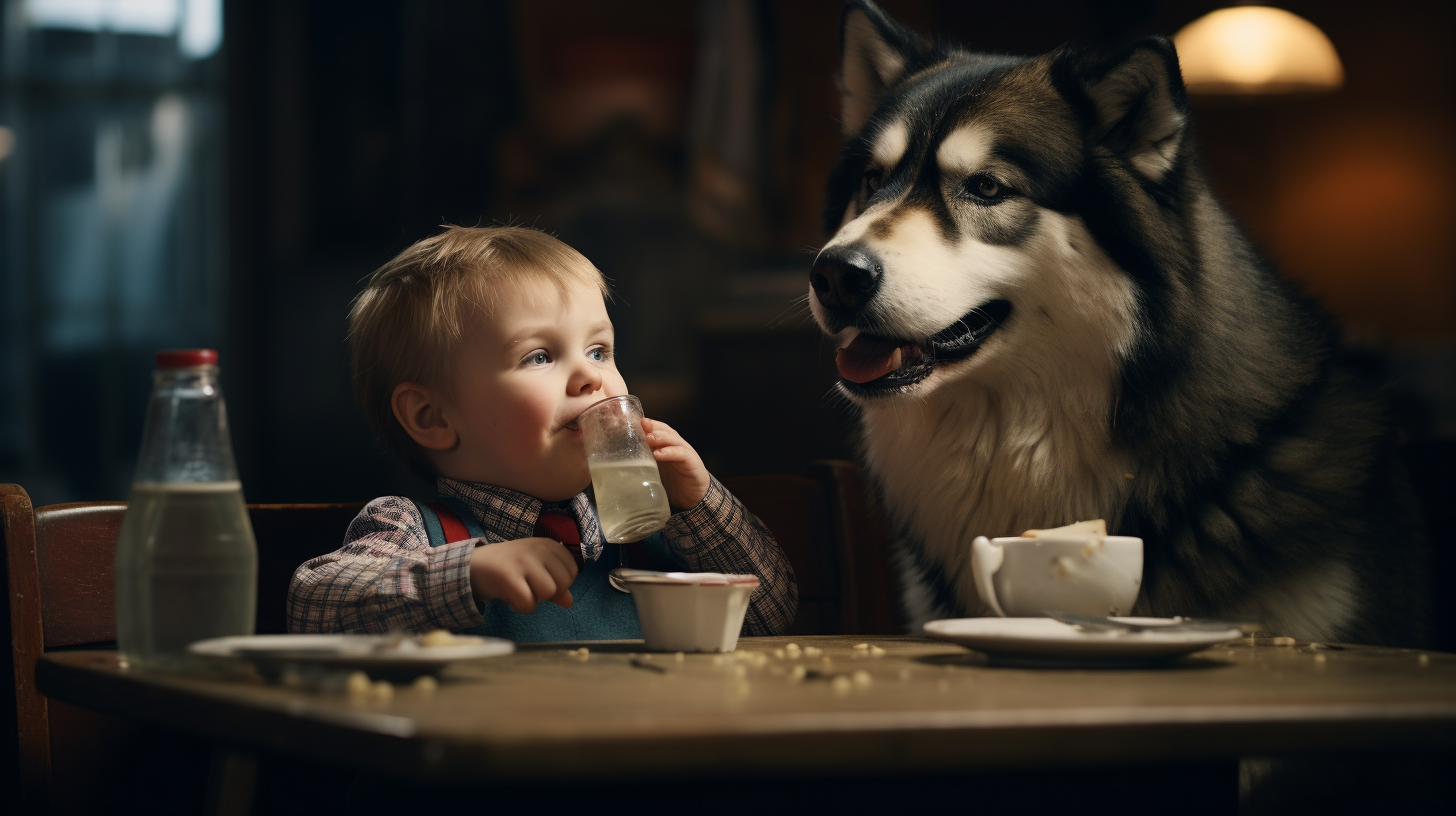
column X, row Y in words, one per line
column 523, row 572
column 683, row 475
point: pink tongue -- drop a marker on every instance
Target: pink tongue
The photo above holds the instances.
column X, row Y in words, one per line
column 867, row 358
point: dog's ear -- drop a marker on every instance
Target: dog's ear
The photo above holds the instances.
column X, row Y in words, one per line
column 1140, row 105
column 875, row 52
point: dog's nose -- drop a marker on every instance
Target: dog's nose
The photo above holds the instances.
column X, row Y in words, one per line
column 845, row 277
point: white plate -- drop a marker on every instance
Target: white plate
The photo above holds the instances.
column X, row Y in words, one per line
column 1051, row 643
column 371, row 653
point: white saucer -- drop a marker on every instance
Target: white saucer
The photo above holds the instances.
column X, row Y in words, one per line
column 375, row 654
column 1046, row 642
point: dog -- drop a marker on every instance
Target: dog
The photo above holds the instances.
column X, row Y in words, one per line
column 1043, row 316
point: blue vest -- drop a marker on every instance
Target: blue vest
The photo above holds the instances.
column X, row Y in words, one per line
column 598, row 612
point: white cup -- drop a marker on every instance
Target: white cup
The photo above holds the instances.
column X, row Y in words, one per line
column 1086, row 575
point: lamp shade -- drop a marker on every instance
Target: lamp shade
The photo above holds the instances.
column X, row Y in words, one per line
column 1256, row 50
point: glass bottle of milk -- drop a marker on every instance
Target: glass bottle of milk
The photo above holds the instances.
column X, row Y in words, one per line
column 186, row 561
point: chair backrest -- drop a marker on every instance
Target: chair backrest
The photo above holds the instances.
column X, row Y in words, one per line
column 60, row 570
column 830, row 528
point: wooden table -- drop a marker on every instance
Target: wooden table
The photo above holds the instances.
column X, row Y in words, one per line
column 923, row 706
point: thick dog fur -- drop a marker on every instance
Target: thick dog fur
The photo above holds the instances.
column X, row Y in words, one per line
column 1151, row 369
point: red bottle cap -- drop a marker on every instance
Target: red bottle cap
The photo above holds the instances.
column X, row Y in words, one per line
column 186, row 358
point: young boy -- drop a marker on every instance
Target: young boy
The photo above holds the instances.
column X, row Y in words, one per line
column 474, row 352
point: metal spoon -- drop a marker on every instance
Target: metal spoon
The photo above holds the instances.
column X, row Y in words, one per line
column 1095, row 623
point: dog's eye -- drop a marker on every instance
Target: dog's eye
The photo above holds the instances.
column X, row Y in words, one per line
column 986, row 188
column 872, row 180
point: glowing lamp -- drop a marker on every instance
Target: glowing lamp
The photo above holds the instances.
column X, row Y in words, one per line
column 1256, row 50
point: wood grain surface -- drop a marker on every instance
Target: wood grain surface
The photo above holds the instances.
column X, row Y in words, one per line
column 926, row 706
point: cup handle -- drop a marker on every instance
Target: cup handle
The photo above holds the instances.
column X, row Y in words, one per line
column 986, row 558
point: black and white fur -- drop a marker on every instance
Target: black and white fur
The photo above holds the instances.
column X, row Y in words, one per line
column 1087, row 334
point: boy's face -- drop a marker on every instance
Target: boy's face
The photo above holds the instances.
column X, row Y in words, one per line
column 521, row 379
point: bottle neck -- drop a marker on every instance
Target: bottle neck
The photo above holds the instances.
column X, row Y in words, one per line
column 186, row 434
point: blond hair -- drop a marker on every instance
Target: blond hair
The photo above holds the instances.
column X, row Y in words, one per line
column 411, row 318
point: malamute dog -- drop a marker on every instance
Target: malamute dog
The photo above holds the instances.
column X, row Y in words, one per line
column 1044, row 316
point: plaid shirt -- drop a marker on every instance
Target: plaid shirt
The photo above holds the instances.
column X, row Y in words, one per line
column 388, row 577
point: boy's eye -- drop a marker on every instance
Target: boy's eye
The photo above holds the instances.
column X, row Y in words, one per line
column 538, row 358
column 599, row 354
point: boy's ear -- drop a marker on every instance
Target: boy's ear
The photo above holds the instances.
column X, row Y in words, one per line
column 417, row 411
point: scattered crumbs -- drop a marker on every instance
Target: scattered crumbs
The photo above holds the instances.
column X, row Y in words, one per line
column 678, row 656
column 382, row 690
column 904, row 674
column 863, row 678
column 1313, row 646
column 717, row 660
column 582, row 654
column 779, row 653
column 943, row 685
column 358, row 683
column 1423, row 659
column 1319, row 658
column 826, row 661
column 876, row 651
column 122, row 664
column 798, row 673
column 792, row 647
column 425, row 684
column 645, row 657
column 861, row 647
column 842, row 685
column 1127, row 475
column 776, row 671
column 1284, row 640
column 812, row 651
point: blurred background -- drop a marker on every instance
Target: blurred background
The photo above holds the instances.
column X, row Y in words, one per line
column 225, row 173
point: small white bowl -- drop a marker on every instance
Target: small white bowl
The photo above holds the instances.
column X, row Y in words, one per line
column 691, row 611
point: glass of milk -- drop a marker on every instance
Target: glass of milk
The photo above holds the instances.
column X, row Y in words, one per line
column 631, row 503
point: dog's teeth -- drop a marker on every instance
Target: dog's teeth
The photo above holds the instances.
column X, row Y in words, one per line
column 847, row 336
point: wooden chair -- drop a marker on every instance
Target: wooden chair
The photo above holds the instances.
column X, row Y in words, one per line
column 58, row 563
column 830, row 527
column 59, row 568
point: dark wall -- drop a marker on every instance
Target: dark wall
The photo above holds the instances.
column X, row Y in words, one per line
column 357, row 128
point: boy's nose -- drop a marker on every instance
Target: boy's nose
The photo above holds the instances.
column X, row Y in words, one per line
column 587, row 381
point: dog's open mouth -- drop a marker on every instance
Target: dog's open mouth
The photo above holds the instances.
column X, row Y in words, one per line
column 872, row 363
